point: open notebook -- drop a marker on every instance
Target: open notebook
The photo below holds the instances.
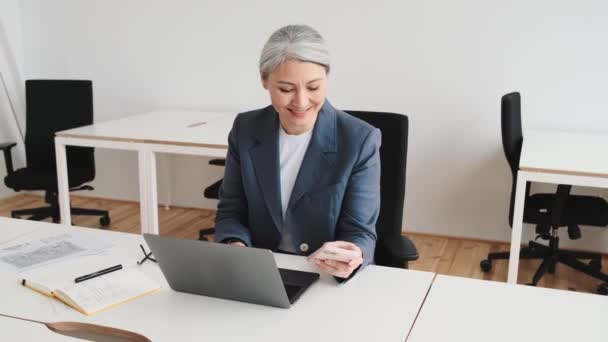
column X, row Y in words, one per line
column 96, row 294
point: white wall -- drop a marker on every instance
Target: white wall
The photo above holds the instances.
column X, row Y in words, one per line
column 11, row 68
column 443, row 63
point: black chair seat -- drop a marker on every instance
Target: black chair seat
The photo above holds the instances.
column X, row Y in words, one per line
column 578, row 210
column 401, row 248
column 33, row 179
column 213, row 190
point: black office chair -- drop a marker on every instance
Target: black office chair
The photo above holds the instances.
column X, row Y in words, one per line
column 212, row 192
column 549, row 211
column 392, row 248
column 51, row 106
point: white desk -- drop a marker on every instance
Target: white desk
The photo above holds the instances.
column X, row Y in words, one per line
column 13, row 329
column 557, row 158
column 18, row 229
column 461, row 309
column 379, row 304
column 195, row 133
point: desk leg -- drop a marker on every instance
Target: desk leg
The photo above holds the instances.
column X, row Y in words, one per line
column 518, row 217
column 168, row 162
column 63, row 190
column 147, row 191
column 143, row 190
column 152, row 194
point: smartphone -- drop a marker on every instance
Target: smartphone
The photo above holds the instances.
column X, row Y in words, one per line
column 333, row 253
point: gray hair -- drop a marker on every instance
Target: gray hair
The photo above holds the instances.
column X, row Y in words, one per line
column 299, row 42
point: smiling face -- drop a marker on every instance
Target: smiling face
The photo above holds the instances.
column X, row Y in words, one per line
column 297, row 91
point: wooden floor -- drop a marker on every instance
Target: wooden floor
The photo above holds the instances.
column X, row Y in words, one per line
column 451, row 256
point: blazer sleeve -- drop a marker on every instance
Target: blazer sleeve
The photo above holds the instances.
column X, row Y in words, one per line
column 231, row 218
column 361, row 204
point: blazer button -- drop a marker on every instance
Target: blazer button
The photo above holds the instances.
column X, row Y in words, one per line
column 303, row 247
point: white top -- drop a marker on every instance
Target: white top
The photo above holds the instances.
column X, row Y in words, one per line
column 327, row 311
column 565, row 152
column 291, row 153
column 472, row 310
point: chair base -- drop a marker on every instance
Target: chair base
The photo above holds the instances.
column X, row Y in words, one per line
column 52, row 210
column 41, row 213
column 551, row 255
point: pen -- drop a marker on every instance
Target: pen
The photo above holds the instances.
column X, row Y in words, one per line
column 98, row 273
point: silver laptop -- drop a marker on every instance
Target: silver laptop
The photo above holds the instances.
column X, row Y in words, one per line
column 229, row 272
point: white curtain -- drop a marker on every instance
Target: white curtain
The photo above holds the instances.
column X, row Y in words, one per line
column 12, row 106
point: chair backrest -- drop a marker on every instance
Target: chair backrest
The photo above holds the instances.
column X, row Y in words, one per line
column 512, row 134
column 512, row 139
column 393, row 163
column 56, row 105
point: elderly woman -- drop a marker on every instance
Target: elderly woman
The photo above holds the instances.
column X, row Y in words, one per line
column 301, row 173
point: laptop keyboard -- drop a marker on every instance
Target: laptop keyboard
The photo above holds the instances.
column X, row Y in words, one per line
column 295, row 282
column 291, row 290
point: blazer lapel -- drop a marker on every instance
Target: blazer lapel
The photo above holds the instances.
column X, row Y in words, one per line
column 265, row 157
column 319, row 156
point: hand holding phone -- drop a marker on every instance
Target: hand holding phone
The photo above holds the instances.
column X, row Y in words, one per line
column 332, row 252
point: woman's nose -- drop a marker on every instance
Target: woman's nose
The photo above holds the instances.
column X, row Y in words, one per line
column 300, row 100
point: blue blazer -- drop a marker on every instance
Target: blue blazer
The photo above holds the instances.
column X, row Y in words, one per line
column 336, row 195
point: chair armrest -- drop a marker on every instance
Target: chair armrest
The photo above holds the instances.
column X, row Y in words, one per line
column 8, row 158
column 401, row 248
column 219, row 162
column 203, row 233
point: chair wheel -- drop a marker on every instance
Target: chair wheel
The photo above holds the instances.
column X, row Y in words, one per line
column 595, row 264
column 104, row 220
column 602, row 289
column 485, row 265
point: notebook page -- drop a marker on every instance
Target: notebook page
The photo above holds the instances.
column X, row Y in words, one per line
column 62, row 274
column 110, row 289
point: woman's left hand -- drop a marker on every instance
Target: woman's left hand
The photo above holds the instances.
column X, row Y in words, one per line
column 339, row 268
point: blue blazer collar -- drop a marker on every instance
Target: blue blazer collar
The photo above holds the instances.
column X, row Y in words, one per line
column 319, row 156
column 265, row 157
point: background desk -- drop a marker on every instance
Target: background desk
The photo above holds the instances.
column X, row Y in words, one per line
column 557, row 158
column 195, row 133
column 379, row 304
column 461, row 309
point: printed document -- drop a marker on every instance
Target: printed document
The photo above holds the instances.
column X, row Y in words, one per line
column 32, row 254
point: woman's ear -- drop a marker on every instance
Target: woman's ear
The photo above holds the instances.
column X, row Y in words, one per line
column 264, row 81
